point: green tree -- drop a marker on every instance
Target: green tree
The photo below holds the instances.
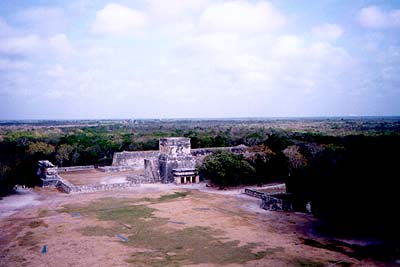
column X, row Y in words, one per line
column 40, row 148
column 227, row 169
column 295, row 159
column 64, row 153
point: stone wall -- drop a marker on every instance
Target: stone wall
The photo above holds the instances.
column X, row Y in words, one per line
column 133, row 158
column 117, row 168
column 174, row 146
column 66, row 186
column 133, row 181
column 152, row 169
column 277, row 202
column 139, row 179
column 75, row 168
column 272, row 201
column 168, row 164
column 101, row 187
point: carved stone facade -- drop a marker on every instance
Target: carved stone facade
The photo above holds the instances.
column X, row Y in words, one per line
column 185, row 176
column 48, row 173
column 174, row 154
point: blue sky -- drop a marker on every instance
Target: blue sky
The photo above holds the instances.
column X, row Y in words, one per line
column 198, row 58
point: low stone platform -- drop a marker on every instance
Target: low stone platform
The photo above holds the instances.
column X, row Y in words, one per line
column 273, row 198
column 94, row 180
column 94, row 176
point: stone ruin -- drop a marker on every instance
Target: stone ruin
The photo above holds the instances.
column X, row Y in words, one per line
column 279, row 201
column 47, row 173
column 174, row 162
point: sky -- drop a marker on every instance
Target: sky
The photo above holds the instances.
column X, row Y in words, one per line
column 94, row 59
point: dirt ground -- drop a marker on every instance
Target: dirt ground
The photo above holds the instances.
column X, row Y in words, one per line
column 158, row 225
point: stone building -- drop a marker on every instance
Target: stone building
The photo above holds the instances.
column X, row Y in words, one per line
column 176, row 163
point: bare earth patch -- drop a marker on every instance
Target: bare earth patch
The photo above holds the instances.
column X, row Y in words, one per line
column 160, row 226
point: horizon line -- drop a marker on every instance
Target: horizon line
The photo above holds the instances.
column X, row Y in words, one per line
column 205, row 118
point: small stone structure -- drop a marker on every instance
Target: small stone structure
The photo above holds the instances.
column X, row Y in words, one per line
column 272, row 201
column 185, row 175
column 47, row 173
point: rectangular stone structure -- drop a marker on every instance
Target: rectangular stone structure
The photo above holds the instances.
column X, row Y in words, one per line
column 185, row 176
column 174, row 154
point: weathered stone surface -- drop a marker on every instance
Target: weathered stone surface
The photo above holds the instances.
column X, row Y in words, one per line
column 134, row 159
column 75, row 168
column 174, row 154
column 66, row 186
column 272, row 201
column 277, row 202
column 152, row 169
column 185, row 175
column 47, row 173
column 101, row 187
column 140, row 179
column 116, row 168
column 175, row 146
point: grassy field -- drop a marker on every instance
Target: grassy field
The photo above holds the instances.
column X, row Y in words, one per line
column 167, row 226
column 137, row 226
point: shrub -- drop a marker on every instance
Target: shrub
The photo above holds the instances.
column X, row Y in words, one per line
column 227, row 169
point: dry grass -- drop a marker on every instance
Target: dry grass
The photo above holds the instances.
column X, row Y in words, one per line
column 37, row 223
column 28, row 240
column 160, row 245
column 301, row 262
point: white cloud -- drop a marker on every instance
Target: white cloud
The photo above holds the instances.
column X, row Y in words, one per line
column 20, row 45
column 374, row 17
column 31, row 45
column 260, row 66
column 115, row 19
column 239, row 52
column 327, row 31
column 6, row 64
column 55, row 71
column 175, row 9
column 288, row 46
column 60, row 44
column 241, row 17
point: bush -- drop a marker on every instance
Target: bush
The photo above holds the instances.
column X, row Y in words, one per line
column 227, row 169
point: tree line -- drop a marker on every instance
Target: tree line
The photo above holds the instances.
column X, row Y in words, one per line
column 350, row 181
